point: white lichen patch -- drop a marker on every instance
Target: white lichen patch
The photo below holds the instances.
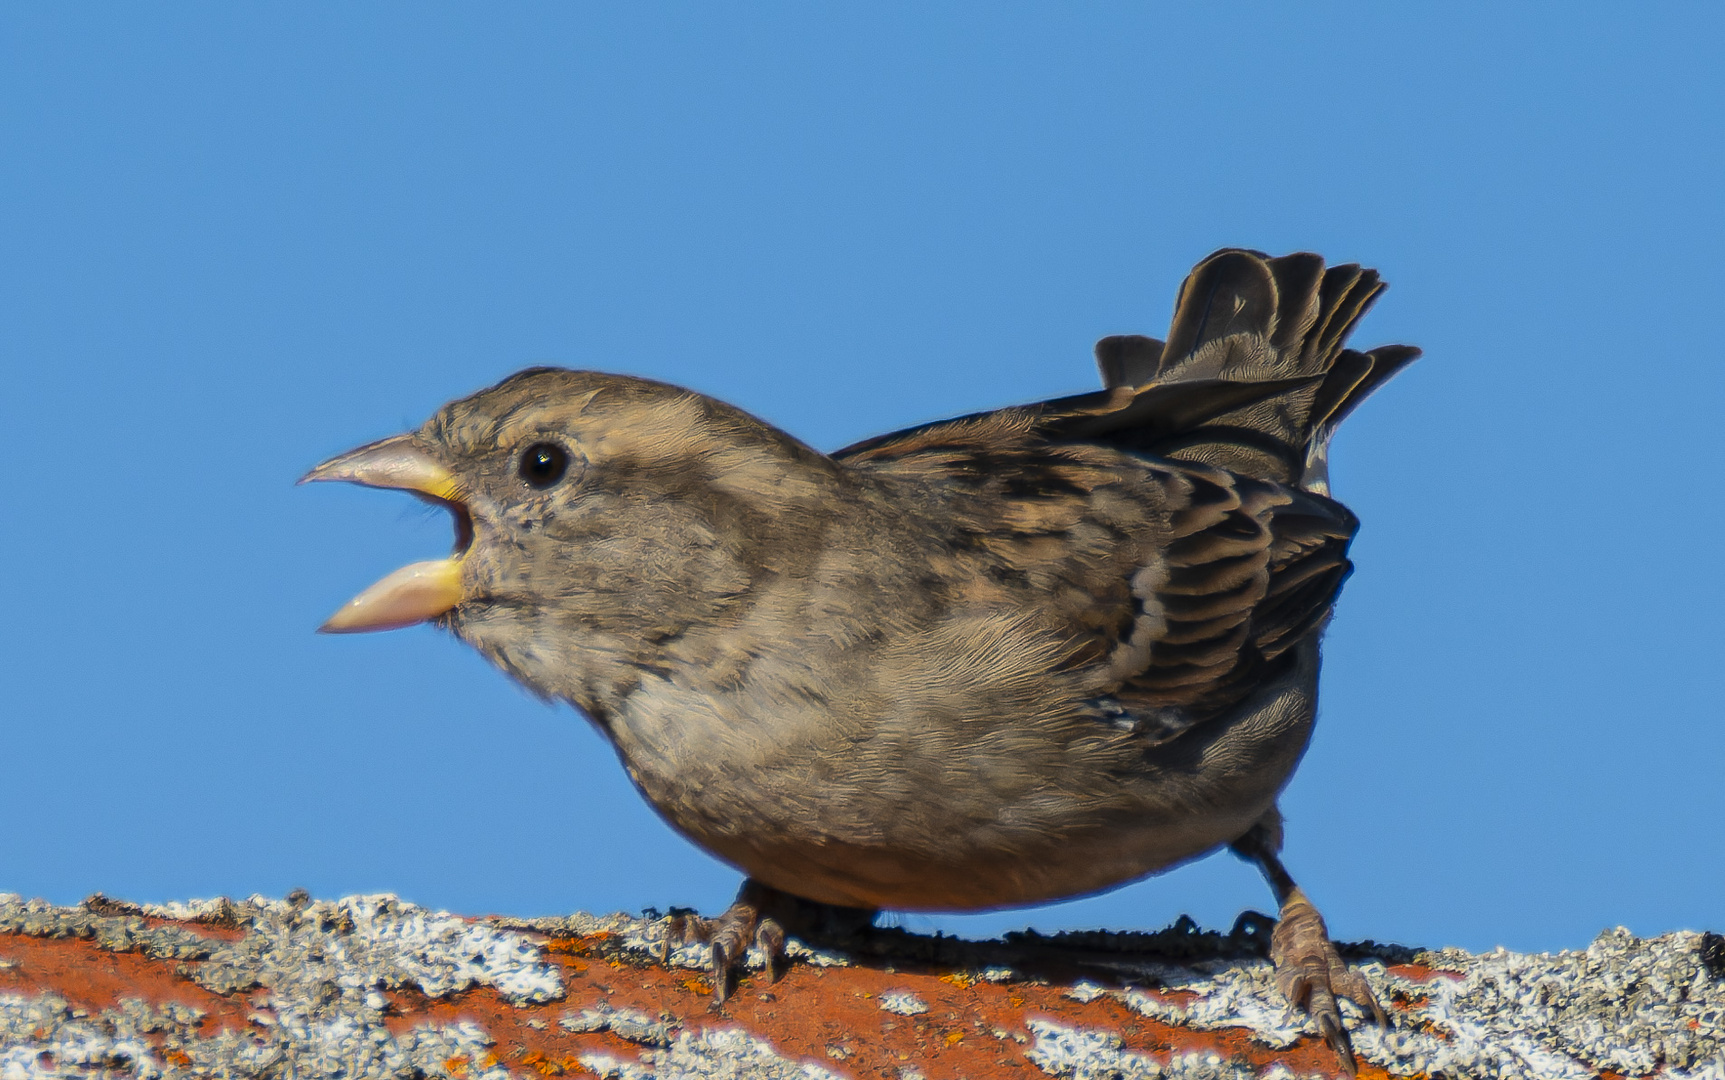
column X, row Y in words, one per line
column 805, row 954
column 713, row 1054
column 1627, row 1005
column 318, row 971
column 193, row 910
column 1624, row 1004
column 902, row 1003
column 1084, row 991
column 366, row 942
column 1229, row 993
column 44, row 1038
column 630, row 1024
column 1084, row 1054
column 442, row 953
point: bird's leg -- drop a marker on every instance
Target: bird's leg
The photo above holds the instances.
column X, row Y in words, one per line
column 1310, row 973
column 749, row 918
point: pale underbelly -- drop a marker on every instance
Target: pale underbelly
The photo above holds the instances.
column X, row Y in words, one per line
column 866, row 829
column 997, row 877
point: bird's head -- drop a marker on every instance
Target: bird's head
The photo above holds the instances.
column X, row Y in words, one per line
column 596, row 517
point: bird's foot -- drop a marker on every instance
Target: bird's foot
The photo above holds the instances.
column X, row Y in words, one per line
column 729, row 936
column 1312, row 975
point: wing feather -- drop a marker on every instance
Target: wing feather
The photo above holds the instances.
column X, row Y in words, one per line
column 1256, row 572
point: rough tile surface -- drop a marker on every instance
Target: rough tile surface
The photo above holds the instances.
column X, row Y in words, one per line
column 372, row 986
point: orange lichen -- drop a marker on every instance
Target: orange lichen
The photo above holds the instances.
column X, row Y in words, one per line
column 540, row 1064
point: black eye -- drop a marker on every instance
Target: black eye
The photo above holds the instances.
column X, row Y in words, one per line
column 544, row 464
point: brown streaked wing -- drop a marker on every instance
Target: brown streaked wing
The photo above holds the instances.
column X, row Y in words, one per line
column 1253, row 567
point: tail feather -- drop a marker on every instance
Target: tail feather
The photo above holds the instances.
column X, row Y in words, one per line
column 1253, row 377
column 1228, row 307
column 1128, row 359
column 1355, row 376
column 1277, row 323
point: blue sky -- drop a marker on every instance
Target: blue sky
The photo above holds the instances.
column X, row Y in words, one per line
column 240, row 238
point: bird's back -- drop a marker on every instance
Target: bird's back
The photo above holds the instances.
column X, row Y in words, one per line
column 1178, row 522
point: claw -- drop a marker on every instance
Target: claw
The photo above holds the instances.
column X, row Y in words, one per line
column 1337, row 1039
column 676, row 933
column 1350, row 984
column 719, row 969
column 1310, row 973
column 770, row 938
column 725, row 935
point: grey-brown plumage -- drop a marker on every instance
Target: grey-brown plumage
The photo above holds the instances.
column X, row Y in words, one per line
column 1003, row 659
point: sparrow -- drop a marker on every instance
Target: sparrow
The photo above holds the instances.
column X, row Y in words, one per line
column 1004, row 659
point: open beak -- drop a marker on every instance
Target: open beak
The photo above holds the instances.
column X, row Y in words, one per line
column 423, row 590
